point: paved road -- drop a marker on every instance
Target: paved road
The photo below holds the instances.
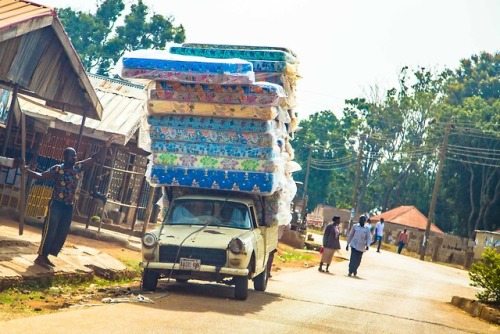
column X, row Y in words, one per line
column 393, row 294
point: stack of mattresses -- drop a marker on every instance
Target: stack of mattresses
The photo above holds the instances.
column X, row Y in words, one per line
column 212, row 126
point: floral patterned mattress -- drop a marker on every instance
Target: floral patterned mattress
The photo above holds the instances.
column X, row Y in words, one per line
column 223, row 163
column 256, row 182
column 161, row 65
column 212, row 149
column 258, row 94
column 163, row 107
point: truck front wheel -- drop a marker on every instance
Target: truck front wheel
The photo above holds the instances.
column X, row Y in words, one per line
column 241, row 287
column 260, row 281
column 149, row 280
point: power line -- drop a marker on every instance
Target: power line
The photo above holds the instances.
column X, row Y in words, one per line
column 473, row 162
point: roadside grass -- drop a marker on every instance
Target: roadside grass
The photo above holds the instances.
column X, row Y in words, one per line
column 132, row 265
column 290, row 255
column 43, row 297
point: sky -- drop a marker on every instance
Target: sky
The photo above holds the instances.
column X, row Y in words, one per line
column 345, row 47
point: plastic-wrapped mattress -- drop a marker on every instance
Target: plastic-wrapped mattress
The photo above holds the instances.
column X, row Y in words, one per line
column 257, row 94
column 223, row 150
column 213, row 136
column 256, row 182
column 270, row 55
column 224, row 163
column 214, row 123
column 161, row 65
column 162, row 107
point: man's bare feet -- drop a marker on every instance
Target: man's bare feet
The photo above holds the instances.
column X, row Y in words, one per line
column 49, row 262
column 43, row 262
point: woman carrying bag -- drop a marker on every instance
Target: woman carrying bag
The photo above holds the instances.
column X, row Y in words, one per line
column 331, row 243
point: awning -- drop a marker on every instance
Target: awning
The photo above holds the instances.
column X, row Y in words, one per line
column 37, row 56
column 123, row 104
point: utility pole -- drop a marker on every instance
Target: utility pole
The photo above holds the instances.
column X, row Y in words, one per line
column 432, row 207
column 358, row 172
column 306, row 181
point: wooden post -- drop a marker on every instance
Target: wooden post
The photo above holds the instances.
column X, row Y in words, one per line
column 139, row 198
column 80, row 134
column 22, row 193
column 432, row 208
column 149, row 209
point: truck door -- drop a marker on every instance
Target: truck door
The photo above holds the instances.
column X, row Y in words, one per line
column 260, row 246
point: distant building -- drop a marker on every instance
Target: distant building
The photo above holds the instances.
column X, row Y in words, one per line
column 486, row 239
column 408, row 217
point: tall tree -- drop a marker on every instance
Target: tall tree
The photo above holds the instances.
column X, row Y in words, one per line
column 100, row 43
column 322, row 136
column 473, row 100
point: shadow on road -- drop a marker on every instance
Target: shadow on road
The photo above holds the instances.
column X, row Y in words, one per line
column 207, row 297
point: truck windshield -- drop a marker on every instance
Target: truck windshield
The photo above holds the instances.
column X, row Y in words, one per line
column 211, row 212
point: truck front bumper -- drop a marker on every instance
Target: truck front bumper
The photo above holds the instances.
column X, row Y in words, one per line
column 203, row 268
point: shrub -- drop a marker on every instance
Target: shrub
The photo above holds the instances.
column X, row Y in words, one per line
column 486, row 275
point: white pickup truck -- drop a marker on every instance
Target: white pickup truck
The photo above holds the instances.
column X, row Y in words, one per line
column 219, row 237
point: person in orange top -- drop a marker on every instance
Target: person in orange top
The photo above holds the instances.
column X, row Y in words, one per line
column 402, row 240
column 60, row 213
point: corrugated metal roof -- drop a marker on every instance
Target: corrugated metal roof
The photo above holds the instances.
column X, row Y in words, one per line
column 16, row 16
column 122, row 103
column 37, row 56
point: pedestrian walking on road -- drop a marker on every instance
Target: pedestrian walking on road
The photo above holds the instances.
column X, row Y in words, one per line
column 379, row 233
column 359, row 239
column 58, row 219
column 402, row 240
column 331, row 243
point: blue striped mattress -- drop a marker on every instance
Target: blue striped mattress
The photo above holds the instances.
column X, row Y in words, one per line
column 213, row 123
column 213, row 136
column 255, row 182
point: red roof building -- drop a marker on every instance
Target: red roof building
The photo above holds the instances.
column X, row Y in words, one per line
column 406, row 216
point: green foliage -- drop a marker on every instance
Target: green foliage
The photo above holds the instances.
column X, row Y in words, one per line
column 100, row 44
column 404, row 129
column 324, row 136
column 486, row 275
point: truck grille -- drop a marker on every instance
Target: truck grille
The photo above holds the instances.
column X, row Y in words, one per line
column 211, row 257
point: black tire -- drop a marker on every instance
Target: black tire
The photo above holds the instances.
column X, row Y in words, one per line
column 240, row 287
column 181, row 280
column 260, row 281
column 149, row 280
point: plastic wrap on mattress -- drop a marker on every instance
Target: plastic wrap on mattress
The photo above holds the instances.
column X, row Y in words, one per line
column 157, row 107
column 237, row 47
column 288, row 82
column 273, row 55
column 277, row 206
column 255, row 182
column 213, row 136
column 222, row 150
column 224, row 163
column 214, row 123
column 273, row 66
column 212, row 78
column 257, row 94
column 161, row 65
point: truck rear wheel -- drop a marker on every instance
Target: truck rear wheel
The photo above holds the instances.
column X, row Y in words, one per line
column 241, row 287
column 149, row 280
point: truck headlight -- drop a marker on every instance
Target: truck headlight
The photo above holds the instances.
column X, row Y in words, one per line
column 236, row 246
column 149, row 240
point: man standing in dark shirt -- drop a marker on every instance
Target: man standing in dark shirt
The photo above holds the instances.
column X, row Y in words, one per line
column 60, row 213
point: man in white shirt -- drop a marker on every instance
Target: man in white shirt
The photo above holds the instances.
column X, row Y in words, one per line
column 379, row 233
column 359, row 239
